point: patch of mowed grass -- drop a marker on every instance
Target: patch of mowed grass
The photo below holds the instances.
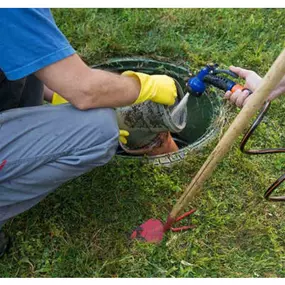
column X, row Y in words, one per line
column 83, row 229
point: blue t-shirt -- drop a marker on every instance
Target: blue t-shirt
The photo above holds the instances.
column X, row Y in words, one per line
column 29, row 41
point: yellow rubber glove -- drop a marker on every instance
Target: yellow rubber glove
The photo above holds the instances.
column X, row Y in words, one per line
column 123, row 135
column 157, row 88
column 57, row 100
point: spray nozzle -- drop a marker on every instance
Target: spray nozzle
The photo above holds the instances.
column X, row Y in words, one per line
column 210, row 75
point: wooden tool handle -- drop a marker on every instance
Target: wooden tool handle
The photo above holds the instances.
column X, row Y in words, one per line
column 259, row 97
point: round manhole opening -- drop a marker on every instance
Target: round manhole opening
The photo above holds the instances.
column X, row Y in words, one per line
column 205, row 114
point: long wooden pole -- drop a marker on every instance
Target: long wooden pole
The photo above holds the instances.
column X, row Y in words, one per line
column 257, row 99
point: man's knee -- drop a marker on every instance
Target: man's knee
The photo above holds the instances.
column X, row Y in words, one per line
column 102, row 124
column 99, row 135
column 47, row 134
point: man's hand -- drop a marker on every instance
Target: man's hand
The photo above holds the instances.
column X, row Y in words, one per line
column 252, row 80
column 123, row 136
column 157, row 88
column 56, row 99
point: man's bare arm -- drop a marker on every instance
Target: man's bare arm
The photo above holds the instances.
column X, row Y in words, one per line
column 88, row 88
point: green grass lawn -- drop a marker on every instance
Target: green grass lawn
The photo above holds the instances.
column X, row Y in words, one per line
column 82, row 230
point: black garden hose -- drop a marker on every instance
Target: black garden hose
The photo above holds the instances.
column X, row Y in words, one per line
column 280, row 180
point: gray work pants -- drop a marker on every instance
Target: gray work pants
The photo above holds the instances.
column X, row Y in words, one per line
column 44, row 146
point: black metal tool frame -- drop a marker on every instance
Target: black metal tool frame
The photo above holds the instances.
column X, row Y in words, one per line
column 250, row 131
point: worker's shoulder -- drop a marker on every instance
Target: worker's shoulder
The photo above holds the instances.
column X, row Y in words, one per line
column 14, row 16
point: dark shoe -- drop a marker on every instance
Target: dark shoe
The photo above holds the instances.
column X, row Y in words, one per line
column 4, row 242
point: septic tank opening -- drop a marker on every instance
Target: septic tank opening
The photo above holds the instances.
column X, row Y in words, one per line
column 205, row 114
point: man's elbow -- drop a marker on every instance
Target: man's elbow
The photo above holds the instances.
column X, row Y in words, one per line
column 84, row 99
column 82, row 105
